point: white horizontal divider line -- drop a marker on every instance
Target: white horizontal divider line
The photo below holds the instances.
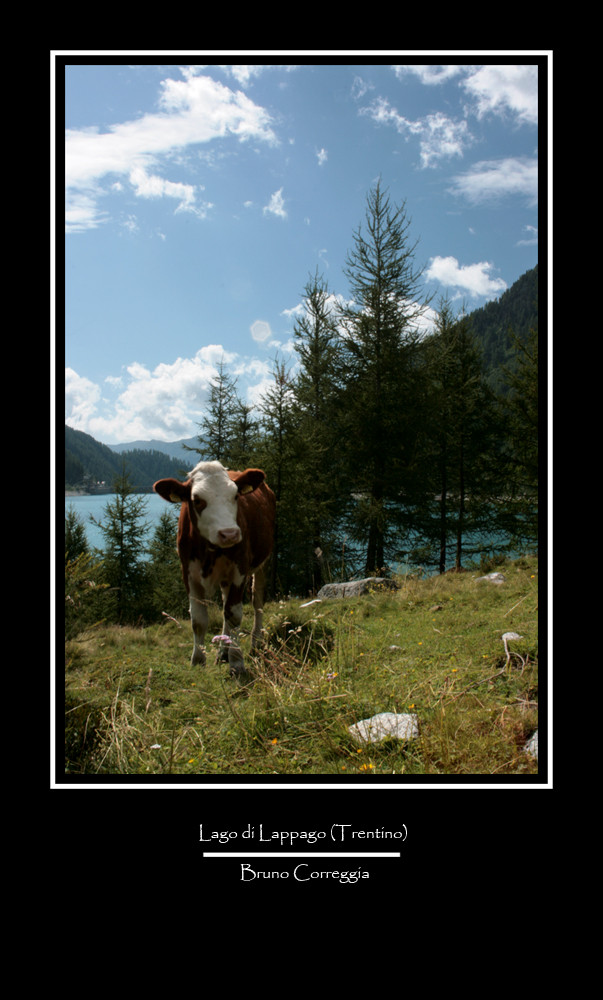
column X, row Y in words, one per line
column 299, row 854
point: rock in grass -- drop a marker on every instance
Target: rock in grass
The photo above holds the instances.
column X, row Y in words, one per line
column 496, row 578
column 531, row 746
column 354, row 588
column 379, row 727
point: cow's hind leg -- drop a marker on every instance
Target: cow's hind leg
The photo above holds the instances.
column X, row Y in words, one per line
column 257, row 598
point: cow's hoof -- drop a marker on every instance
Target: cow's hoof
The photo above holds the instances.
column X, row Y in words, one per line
column 243, row 676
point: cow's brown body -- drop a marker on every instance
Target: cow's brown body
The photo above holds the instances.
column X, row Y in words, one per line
column 225, row 536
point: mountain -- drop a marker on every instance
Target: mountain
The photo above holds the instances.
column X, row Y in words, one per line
column 515, row 311
column 92, row 466
column 172, row 448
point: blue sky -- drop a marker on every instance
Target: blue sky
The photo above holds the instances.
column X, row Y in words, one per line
column 201, row 196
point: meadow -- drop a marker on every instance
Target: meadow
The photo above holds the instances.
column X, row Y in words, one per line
column 433, row 648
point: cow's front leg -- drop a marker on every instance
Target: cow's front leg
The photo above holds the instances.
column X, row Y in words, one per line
column 232, row 597
column 198, row 613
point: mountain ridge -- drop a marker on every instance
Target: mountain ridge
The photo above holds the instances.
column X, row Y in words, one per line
column 92, row 467
column 174, row 449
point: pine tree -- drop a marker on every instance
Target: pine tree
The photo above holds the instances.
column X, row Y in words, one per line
column 76, row 542
column 380, row 340
column 124, row 530
column 216, row 427
column 520, row 412
column 277, row 458
column 168, row 591
column 244, row 436
column 461, row 443
column 318, row 464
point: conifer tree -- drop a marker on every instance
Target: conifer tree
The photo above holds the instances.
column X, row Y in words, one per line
column 124, row 531
column 76, row 541
column 168, row 594
column 460, row 446
column 277, row 458
column 216, row 426
column 318, row 455
column 244, row 436
column 520, row 412
column 380, row 340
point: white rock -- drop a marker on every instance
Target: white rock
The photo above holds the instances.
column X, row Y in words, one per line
column 355, row 588
column 378, row 727
column 531, row 746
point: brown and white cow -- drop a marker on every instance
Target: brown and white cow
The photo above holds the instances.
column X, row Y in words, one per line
column 225, row 535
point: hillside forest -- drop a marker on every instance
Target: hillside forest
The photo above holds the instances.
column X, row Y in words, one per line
column 384, row 447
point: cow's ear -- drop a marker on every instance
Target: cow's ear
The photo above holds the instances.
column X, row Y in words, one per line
column 172, row 490
column 249, row 480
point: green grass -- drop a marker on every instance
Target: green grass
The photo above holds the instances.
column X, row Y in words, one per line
column 134, row 706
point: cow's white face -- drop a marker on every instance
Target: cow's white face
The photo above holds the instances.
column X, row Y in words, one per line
column 214, row 498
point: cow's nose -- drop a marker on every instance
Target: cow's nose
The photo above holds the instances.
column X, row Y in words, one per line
column 229, row 536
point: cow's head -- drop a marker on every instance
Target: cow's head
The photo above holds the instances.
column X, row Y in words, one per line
column 212, row 496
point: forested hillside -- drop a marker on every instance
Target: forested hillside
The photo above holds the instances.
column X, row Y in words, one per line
column 517, row 311
column 382, row 446
column 91, row 466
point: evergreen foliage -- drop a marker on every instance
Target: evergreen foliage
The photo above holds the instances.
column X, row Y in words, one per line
column 520, row 442
column 382, row 444
column 76, row 542
column 278, row 454
column 215, row 439
column 167, row 593
column 124, row 570
column 320, row 461
column 459, row 447
column 381, row 377
column 84, row 594
column 496, row 323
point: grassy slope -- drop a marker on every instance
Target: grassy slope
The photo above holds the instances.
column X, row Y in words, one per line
column 433, row 648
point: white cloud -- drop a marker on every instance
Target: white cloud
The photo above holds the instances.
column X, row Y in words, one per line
column 429, row 75
column 360, row 88
column 152, row 186
column 244, row 74
column 531, row 239
column 257, row 392
column 82, row 212
column 322, row 157
column 505, row 90
column 510, row 91
column 473, row 279
column 165, row 403
column 490, row 180
column 440, row 137
column 276, row 205
column 81, row 398
column 193, row 111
